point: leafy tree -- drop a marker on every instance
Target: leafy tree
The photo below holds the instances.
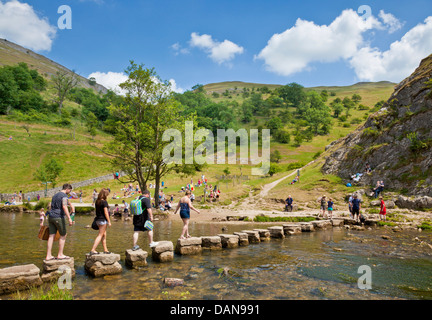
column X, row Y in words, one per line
column 274, row 124
column 63, row 82
column 91, row 124
column 49, row 172
column 282, row 136
column 148, row 110
column 292, row 94
column 275, row 156
column 356, row 98
column 337, row 109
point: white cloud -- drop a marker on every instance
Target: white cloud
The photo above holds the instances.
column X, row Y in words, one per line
column 178, row 49
column 112, row 80
column 219, row 52
column 390, row 21
column 293, row 50
column 400, row 60
column 19, row 23
column 174, row 86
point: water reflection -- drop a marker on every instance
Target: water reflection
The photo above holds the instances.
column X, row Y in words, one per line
column 317, row 265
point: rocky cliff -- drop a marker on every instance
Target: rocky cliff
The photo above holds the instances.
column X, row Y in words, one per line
column 396, row 141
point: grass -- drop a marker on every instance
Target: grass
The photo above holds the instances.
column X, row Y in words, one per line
column 24, row 154
column 426, row 225
column 44, row 293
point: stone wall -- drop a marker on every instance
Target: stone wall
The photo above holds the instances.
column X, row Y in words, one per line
column 53, row 191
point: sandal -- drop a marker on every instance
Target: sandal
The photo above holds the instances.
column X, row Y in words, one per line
column 107, row 252
column 189, row 236
column 93, row 253
column 182, row 238
column 64, row 258
column 51, row 259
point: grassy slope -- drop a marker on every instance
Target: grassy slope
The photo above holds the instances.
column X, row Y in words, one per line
column 81, row 161
column 23, row 155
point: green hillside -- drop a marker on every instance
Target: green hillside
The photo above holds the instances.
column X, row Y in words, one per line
column 40, row 134
column 11, row 54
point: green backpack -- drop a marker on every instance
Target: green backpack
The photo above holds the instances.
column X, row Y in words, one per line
column 136, row 206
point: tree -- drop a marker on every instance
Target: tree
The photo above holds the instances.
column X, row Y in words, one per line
column 63, row 83
column 227, row 171
column 337, row 109
column 356, row 98
column 148, row 110
column 49, row 172
column 91, row 124
column 292, row 93
column 275, row 156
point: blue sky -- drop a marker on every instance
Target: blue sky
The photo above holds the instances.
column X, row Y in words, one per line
column 200, row 41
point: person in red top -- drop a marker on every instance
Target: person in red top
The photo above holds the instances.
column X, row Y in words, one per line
column 383, row 210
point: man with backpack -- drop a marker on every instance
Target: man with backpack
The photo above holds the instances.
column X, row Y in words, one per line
column 141, row 210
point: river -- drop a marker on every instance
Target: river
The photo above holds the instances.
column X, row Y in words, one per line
column 317, row 265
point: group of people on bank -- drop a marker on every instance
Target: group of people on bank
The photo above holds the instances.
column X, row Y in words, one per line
column 59, row 216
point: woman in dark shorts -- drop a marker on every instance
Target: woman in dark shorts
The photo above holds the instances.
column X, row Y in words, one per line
column 185, row 205
column 102, row 220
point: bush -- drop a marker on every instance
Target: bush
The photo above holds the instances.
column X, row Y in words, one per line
column 41, row 204
column 294, row 165
column 84, row 210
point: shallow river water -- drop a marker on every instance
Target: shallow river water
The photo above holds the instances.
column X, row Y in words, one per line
column 317, row 265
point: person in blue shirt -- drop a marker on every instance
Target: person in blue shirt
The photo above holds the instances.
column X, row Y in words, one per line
column 355, row 207
column 330, row 207
column 288, row 204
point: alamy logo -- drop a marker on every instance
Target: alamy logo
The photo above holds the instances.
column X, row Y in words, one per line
column 365, row 281
column 65, row 280
column 65, row 21
column 226, row 143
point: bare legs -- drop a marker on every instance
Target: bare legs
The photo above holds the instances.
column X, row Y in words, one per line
column 185, row 229
column 136, row 234
column 100, row 237
column 62, row 242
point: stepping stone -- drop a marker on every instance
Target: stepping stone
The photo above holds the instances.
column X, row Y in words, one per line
column 337, row 222
column 99, row 265
column 243, row 238
column 291, row 229
column 54, row 269
column 307, row 227
column 163, row 252
column 19, row 278
column 322, row 224
column 253, row 236
column 189, row 246
column 136, row 259
column 211, row 242
column 276, row 232
column 264, row 234
column 229, row 240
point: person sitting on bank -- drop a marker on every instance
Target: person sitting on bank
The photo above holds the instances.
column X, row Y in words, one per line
column 288, row 204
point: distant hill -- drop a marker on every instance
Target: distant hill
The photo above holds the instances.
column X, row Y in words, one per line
column 11, row 54
column 221, row 87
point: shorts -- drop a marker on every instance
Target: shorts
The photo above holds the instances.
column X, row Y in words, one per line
column 57, row 224
column 323, row 207
column 139, row 221
column 101, row 222
column 355, row 211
